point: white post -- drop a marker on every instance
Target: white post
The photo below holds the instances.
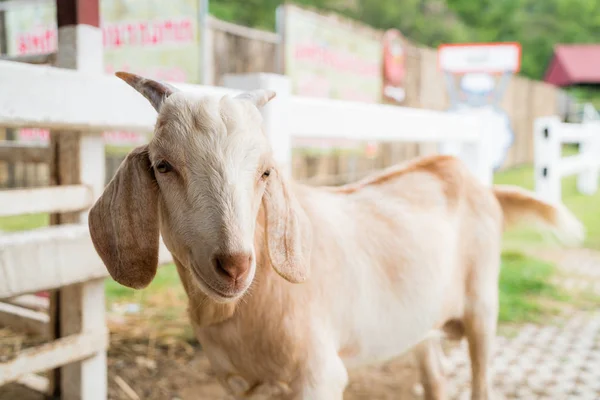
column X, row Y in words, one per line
column 477, row 155
column 92, row 167
column 587, row 181
column 81, row 307
column 275, row 121
column 547, row 155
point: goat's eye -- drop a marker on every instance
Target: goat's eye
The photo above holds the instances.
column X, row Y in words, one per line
column 266, row 174
column 163, row 167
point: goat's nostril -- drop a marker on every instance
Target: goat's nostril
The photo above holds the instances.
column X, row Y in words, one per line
column 219, row 265
column 233, row 266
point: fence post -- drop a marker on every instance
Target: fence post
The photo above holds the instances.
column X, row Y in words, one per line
column 477, row 155
column 275, row 121
column 547, row 155
column 587, row 181
column 78, row 157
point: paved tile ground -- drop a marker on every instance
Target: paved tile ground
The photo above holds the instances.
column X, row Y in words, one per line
column 541, row 362
column 557, row 361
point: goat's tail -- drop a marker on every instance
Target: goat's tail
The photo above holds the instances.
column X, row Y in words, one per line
column 522, row 206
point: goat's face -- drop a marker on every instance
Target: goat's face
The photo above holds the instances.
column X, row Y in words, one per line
column 211, row 162
column 201, row 181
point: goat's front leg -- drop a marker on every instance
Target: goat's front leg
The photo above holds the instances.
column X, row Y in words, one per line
column 326, row 378
column 429, row 356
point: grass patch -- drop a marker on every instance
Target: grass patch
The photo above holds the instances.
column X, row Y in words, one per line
column 527, row 293
column 159, row 310
column 24, row 222
column 166, row 279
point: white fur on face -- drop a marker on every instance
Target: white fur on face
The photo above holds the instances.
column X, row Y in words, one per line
column 211, row 197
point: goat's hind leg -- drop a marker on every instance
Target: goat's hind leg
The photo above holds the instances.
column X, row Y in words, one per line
column 480, row 330
column 480, row 321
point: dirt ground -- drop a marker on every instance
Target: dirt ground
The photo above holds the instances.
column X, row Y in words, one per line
column 188, row 376
column 182, row 372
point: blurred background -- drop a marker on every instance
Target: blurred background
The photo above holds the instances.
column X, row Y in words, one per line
column 520, row 60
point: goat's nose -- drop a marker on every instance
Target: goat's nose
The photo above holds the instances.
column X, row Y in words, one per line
column 234, row 266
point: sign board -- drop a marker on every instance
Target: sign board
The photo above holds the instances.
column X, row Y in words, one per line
column 155, row 38
column 480, row 57
column 329, row 56
column 394, row 67
column 476, row 77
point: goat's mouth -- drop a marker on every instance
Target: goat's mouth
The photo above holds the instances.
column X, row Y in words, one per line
column 217, row 295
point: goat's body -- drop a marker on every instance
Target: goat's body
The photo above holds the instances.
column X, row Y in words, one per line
column 409, row 252
column 390, row 258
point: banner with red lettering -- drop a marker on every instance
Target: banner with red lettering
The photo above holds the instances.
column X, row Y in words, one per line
column 155, row 38
column 326, row 55
column 330, row 56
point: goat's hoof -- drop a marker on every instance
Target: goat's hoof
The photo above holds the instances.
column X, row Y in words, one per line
column 237, row 385
column 418, row 390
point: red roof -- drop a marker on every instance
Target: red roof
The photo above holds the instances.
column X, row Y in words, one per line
column 573, row 64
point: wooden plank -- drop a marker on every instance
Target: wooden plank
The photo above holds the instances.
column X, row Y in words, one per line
column 34, row 382
column 576, row 133
column 29, row 301
column 79, row 48
column 68, row 99
column 51, row 355
column 82, row 309
column 77, row 12
column 64, row 169
column 39, row 59
column 23, row 320
column 320, row 118
column 23, row 152
column 45, row 200
column 64, row 253
column 576, row 164
column 255, row 35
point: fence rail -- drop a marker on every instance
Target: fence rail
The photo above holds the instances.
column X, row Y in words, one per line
column 57, row 199
column 550, row 165
column 23, row 152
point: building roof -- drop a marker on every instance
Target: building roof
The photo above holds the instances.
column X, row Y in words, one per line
column 574, row 64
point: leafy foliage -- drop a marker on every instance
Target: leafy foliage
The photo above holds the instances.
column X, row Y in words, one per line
column 537, row 25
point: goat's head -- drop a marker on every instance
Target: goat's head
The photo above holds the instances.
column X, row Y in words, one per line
column 200, row 182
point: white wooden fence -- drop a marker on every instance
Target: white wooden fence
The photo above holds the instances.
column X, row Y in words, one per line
column 63, row 256
column 550, row 166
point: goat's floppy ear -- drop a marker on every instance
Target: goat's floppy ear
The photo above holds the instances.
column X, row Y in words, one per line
column 258, row 97
column 155, row 92
column 124, row 224
column 288, row 231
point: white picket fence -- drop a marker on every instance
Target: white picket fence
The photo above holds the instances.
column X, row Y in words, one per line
column 550, row 166
column 63, row 256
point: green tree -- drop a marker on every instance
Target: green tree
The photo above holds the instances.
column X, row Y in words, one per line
column 537, row 24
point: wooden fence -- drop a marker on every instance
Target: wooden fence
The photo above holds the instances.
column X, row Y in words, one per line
column 238, row 49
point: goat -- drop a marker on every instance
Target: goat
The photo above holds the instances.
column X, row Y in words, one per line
column 290, row 285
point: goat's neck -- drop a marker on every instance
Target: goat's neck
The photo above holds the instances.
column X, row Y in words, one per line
column 204, row 311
